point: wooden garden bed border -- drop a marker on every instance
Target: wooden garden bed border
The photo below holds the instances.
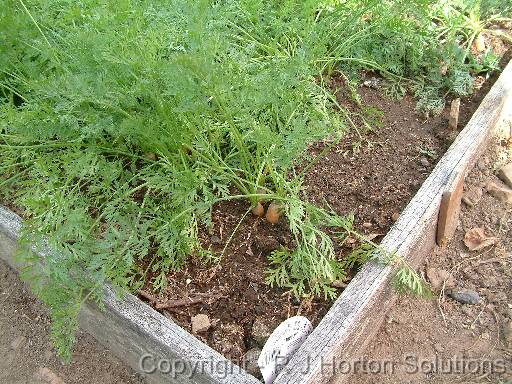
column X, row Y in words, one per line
column 132, row 330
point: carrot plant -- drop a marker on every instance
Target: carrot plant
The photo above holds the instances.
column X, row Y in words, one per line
column 122, row 123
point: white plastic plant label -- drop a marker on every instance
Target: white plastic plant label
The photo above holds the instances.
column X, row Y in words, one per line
column 281, row 345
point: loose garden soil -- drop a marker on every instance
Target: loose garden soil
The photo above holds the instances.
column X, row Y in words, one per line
column 373, row 180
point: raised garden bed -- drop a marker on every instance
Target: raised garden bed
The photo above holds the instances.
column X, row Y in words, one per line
column 138, row 138
column 133, row 330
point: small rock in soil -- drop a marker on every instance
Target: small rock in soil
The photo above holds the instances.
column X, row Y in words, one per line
column 250, row 362
column 47, row 376
column 425, row 162
column 505, row 174
column 472, row 197
column 395, row 216
column 261, row 330
column 200, row 323
column 18, row 343
column 438, row 277
column 465, row 296
column 503, row 194
column 215, row 240
column 476, row 239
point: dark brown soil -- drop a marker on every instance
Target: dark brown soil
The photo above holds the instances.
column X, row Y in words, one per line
column 373, row 179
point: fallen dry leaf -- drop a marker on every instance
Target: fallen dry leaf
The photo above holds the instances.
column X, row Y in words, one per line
column 476, row 239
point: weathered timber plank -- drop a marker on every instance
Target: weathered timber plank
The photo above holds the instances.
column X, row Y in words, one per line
column 132, row 330
column 449, row 210
column 357, row 314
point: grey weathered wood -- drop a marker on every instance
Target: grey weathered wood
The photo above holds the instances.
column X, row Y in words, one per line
column 131, row 329
column 357, row 314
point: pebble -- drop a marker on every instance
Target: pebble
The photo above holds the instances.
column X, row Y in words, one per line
column 215, row 240
column 424, row 162
column 200, row 323
column 395, row 216
column 472, row 197
column 261, row 330
column 250, row 362
column 476, row 239
column 465, row 296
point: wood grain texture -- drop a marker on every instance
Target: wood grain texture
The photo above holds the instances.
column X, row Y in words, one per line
column 357, row 314
column 132, row 330
column 449, row 210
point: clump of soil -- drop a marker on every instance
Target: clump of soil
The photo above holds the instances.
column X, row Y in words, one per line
column 374, row 180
